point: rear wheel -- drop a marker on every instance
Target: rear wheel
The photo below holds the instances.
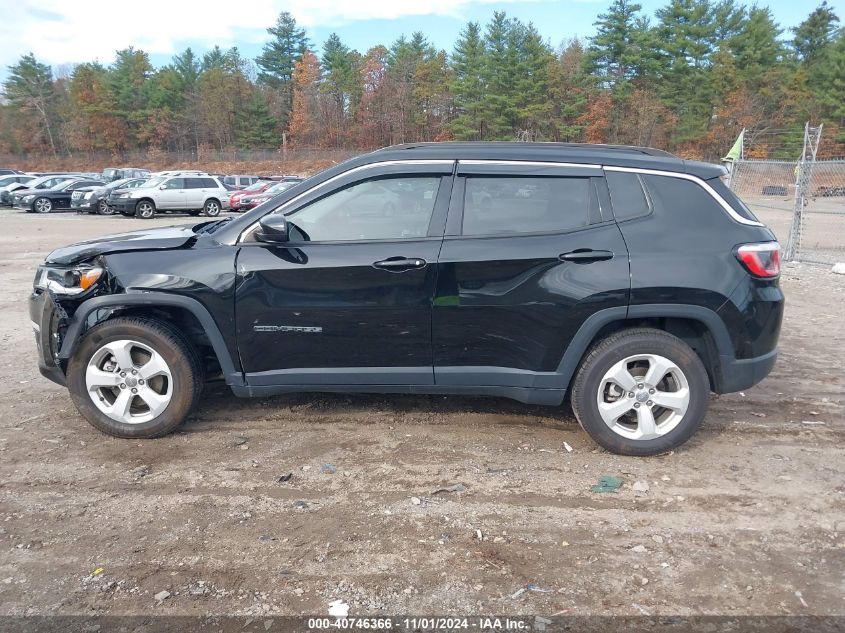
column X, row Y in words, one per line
column 133, row 377
column 43, row 205
column 211, row 208
column 145, row 209
column 640, row 392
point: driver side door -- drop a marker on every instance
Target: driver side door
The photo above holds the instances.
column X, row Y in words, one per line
column 348, row 300
column 171, row 194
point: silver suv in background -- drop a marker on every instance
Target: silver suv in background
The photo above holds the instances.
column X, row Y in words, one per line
column 183, row 192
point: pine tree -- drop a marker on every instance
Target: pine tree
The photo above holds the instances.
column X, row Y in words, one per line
column 468, row 88
column 814, row 34
column 757, row 47
column 279, row 56
column 29, row 89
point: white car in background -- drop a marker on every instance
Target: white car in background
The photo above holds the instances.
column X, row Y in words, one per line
column 182, row 192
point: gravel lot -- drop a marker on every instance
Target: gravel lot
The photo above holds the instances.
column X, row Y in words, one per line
column 747, row 518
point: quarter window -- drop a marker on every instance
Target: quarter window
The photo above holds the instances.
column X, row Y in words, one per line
column 494, row 205
column 377, row 209
column 626, row 195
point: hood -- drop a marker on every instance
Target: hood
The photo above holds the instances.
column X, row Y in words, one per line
column 91, row 188
column 163, row 238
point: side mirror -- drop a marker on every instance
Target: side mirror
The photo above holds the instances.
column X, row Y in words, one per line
column 272, row 229
column 162, row 187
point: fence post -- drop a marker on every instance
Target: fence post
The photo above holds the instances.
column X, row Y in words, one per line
column 803, row 174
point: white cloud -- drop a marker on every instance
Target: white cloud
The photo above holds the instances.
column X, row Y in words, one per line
column 59, row 31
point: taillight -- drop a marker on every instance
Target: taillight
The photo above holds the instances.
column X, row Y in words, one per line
column 761, row 260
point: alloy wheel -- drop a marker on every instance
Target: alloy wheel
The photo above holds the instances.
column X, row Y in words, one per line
column 43, row 205
column 212, row 209
column 129, row 381
column 145, row 210
column 643, row 397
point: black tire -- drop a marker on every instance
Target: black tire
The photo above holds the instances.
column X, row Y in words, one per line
column 621, row 345
column 194, row 213
column 180, row 356
column 145, row 209
column 103, row 208
column 212, row 208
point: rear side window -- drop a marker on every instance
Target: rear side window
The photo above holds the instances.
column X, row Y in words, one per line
column 194, row 183
column 494, row 205
column 627, row 195
column 209, row 183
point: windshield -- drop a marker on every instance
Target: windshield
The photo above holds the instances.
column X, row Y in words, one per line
column 279, row 187
column 155, row 182
column 8, row 180
column 256, row 186
column 108, row 173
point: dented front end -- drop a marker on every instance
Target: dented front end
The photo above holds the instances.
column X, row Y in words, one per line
column 57, row 292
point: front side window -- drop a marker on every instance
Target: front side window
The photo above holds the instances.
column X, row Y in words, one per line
column 502, row 205
column 174, row 183
column 377, row 209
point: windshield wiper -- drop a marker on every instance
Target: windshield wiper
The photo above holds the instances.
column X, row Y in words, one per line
column 211, row 227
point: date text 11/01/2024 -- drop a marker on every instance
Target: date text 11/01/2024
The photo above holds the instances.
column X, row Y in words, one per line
column 422, row 623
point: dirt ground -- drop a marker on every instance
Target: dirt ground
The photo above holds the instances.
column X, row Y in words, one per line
column 747, row 518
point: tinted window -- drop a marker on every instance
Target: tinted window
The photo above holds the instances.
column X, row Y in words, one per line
column 174, row 183
column 525, row 205
column 209, row 183
column 626, row 195
column 230, row 180
column 378, row 209
column 195, row 183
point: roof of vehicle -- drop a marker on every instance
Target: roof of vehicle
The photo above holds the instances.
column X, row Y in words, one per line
column 582, row 153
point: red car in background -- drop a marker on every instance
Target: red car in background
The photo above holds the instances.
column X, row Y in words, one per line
column 256, row 187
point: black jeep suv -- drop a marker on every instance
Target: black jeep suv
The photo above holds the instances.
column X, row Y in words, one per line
column 627, row 279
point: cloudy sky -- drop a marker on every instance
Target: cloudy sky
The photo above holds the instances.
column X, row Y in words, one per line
column 64, row 32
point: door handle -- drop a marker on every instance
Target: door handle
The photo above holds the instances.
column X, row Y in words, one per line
column 585, row 256
column 400, row 264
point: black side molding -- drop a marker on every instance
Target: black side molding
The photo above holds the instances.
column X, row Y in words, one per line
column 76, row 326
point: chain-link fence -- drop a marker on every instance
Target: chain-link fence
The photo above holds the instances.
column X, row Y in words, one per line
column 815, row 230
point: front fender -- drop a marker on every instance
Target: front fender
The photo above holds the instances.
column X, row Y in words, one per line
column 77, row 324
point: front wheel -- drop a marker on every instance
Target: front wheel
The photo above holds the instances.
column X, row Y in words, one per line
column 211, row 208
column 145, row 209
column 134, row 378
column 640, row 392
column 103, row 208
column 43, row 205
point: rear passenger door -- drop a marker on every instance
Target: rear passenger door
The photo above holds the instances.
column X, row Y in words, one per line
column 196, row 191
column 531, row 251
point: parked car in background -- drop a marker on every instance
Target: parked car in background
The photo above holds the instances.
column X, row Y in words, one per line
column 6, row 171
column 40, row 183
column 289, row 178
column 256, row 187
column 110, row 174
column 252, row 200
column 187, row 194
column 240, row 181
column 95, row 199
column 48, row 200
column 15, row 179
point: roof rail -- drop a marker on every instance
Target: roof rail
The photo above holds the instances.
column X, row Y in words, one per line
column 633, row 149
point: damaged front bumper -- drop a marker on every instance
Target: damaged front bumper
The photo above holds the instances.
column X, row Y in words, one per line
column 49, row 320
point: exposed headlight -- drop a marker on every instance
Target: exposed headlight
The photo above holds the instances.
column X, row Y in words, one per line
column 67, row 281
column 89, row 195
